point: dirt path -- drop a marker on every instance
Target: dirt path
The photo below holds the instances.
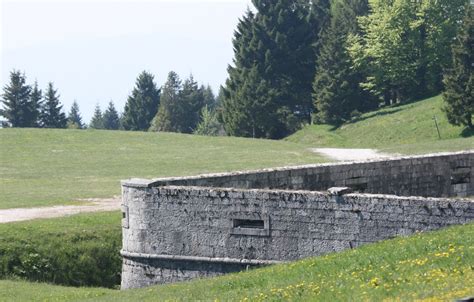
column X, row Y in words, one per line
column 93, row 205
column 351, row 154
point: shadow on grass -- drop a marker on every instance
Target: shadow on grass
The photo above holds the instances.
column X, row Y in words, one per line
column 375, row 114
column 467, row 132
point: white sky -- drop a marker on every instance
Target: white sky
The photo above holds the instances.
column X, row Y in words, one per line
column 94, row 50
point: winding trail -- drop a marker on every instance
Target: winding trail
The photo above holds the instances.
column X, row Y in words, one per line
column 93, row 205
column 343, row 154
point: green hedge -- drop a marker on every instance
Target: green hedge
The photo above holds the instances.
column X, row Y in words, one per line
column 81, row 250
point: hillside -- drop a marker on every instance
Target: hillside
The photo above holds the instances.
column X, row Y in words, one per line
column 52, row 166
column 407, row 128
column 436, row 266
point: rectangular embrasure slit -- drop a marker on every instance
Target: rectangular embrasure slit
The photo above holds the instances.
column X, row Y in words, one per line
column 258, row 226
column 461, row 175
column 249, row 224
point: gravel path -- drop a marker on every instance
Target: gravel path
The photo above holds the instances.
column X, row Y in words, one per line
column 351, row 154
column 94, row 205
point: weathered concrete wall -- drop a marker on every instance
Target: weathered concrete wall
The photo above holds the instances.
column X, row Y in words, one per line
column 175, row 233
column 436, row 175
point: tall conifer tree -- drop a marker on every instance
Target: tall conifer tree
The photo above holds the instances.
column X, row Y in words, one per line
column 111, row 117
column 52, row 115
column 16, row 101
column 170, row 111
column 459, row 80
column 74, row 117
column 97, row 121
column 142, row 104
column 35, row 104
column 337, row 93
column 268, row 90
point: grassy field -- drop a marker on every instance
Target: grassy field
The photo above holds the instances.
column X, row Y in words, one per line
column 436, row 266
column 40, row 167
column 405, row 129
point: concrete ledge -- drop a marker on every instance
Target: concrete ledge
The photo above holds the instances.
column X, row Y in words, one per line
column 127, row 254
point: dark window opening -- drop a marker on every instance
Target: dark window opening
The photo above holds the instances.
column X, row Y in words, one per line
column 461, row 175
column 249, row 224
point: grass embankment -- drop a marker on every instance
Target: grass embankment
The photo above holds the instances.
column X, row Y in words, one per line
column 40, row 167
column 81, row 250
column 438, row 266
column 402, row 129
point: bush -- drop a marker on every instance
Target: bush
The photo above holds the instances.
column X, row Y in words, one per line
column 81, row 250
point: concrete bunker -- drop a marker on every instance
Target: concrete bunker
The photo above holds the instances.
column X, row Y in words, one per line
column 176, row 229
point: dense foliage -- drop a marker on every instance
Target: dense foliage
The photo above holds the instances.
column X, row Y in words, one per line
column 459, row 80
column 268, row 91
column 357, row 54
column 300, row 61
column 181, row 105
column 337, row 94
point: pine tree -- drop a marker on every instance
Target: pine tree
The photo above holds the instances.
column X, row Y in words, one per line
column 142, row 105
column 51, row 115
column 209, row 124
column 337, row 93
column 191, row 101
column 459, row 80
column 97, row 121
column 170, row 112
column 274, row 55
column 16, row 101
column 209, row 98
column 74, row 117
column 111, row 117
column 36, row 98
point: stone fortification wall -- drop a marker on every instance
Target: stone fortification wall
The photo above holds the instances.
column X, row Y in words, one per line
column 174, row 233
column 437, row 175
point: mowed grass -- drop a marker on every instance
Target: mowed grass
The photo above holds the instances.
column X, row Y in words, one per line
column 434, row 266
column 40, row 167
column 401, row 129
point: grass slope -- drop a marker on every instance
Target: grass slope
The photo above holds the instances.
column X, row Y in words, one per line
column 407, row 129
column 80, row 250
column 41, row 167
column 436, row 266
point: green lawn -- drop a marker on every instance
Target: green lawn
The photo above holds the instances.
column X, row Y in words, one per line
column 40, row 167
column 438, row 266
column 405, row 129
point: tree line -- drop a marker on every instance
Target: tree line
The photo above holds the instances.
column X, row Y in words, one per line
column 323, row 61
column 298, row 62
column 178, row 109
